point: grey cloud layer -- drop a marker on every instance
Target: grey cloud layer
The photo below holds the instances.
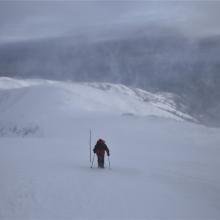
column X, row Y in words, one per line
column 34, row 19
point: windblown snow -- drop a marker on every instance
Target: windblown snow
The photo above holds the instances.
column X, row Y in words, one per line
column 162, row 165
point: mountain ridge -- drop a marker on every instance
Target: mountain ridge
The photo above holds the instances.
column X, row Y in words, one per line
column 37, row 102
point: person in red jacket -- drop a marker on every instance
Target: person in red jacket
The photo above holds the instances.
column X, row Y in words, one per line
column 99, row 150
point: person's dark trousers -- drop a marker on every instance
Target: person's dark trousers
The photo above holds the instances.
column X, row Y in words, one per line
column 100, row 161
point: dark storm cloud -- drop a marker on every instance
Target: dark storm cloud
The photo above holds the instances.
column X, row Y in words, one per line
column 21, row 20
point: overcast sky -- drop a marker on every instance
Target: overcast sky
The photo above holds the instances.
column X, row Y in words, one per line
column 23, row 20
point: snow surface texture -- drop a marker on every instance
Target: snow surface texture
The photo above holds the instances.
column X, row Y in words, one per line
column 161, row 168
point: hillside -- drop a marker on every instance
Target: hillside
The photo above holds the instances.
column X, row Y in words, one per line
column 29, row 106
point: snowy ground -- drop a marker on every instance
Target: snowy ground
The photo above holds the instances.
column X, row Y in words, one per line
column 161, row 168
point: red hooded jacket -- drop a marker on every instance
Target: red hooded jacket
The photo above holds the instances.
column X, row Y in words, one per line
column 100, row 148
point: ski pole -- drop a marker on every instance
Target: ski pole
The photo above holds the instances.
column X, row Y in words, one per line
column 90, row 145
column 92, row 160
column 109, row 163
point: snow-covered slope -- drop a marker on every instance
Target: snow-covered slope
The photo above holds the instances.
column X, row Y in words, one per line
column 28, row 106
column 161, row 168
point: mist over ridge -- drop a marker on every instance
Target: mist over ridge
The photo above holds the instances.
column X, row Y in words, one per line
column 161, row 46
column 153, row 58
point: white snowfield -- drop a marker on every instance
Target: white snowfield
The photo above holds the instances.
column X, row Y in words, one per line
column 162, row 167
